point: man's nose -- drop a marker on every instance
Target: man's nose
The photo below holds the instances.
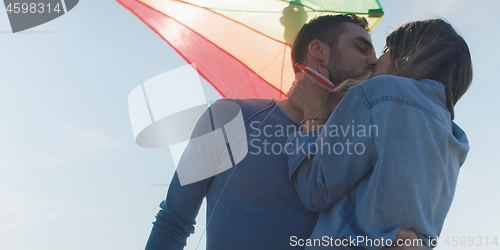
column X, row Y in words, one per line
column 372, row 61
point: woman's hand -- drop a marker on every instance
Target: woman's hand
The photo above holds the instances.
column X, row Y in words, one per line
column 309, row 97
column 404, row 235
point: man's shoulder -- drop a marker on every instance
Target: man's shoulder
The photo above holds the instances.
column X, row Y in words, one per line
column 249, row 105
column 248, row 101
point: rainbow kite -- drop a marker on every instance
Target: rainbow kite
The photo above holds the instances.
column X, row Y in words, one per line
column 241, row 47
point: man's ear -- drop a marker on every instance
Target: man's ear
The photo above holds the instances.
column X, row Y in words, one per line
column 319, row 50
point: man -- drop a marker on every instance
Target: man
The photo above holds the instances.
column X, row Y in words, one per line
column 346, row 51
column 253, row 205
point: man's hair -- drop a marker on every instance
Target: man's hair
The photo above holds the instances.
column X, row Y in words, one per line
column 326, row 29
column 432, row 49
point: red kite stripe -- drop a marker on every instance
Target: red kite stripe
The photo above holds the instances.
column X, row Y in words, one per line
column 211, row 61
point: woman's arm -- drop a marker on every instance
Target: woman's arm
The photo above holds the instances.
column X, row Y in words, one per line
column 323, row 168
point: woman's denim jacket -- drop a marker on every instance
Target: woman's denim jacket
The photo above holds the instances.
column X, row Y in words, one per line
column 388, row 158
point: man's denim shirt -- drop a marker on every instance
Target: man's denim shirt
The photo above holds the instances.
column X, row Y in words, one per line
column 388, row 158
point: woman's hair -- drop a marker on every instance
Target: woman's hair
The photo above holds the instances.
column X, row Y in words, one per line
column 431, row 49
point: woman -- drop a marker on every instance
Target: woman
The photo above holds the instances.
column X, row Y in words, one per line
column 388, row 157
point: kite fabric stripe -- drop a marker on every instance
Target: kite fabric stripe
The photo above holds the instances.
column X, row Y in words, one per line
column 260, row 54
column 241, row 47
column 282, row 19
column 218, row 67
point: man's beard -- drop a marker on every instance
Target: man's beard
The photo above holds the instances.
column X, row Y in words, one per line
column 342, row 69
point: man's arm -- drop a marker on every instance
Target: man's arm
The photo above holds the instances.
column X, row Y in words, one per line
column 202, row 158
column 176, row 220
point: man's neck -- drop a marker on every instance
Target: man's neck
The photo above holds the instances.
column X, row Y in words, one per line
column 297, row 116
column 291, row 111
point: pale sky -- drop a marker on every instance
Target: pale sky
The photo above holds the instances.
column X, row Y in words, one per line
column 71, row 175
